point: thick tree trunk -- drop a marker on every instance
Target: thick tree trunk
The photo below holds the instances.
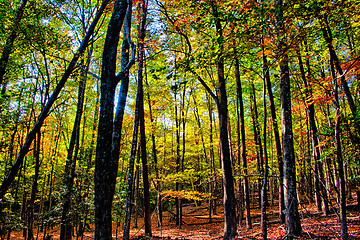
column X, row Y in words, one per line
column 230, row 230
column 293, row 226
column 44, row 113
column 229, row 197
column 105, row 163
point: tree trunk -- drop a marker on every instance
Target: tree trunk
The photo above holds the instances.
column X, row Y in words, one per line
column 130, row 179
column 212, row 184
column 264, row 200
column 230, row 230
column 277, row 144
column 141, row 58
column 183, row 121
column 178, row 219
column 154, row 154
column 239, row 188
column 257, row 139
column 243, row 146
column 34, row 187
column 69, row 173
column 339, row 157
column 293, row 226
column 344, row 230
column 136, row 189
column 105, row 163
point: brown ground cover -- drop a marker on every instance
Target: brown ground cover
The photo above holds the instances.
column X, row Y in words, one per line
column 197, row 225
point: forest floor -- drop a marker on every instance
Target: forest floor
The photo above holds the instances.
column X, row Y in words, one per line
column 197, row 225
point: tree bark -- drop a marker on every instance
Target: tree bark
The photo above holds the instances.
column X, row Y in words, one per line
column 138, row 105
column 105, row 161
column 141, row 58
column 264, row 200
column 69, row 173
column 243, row 146
column 230, row 230
column 293, row 226
column 339, row 157
column 128, row 207
column 178, row 207
column 277, row 144
column 34, row 186
column 344, row 229
column 154, row 154
column 257, row 138
column 212, row 184
column 239, row 188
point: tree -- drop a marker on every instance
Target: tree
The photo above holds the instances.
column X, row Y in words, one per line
column 264, row 201
column 71, row 159
column 339, row 155
column 141, row 57
column 243, row 145
column 154, row 153
column 34, row 189
column 106, row 162
column 293, row 226
column 228, row 180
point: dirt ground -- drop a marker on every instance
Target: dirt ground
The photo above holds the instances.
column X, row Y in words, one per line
column 197, row 225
